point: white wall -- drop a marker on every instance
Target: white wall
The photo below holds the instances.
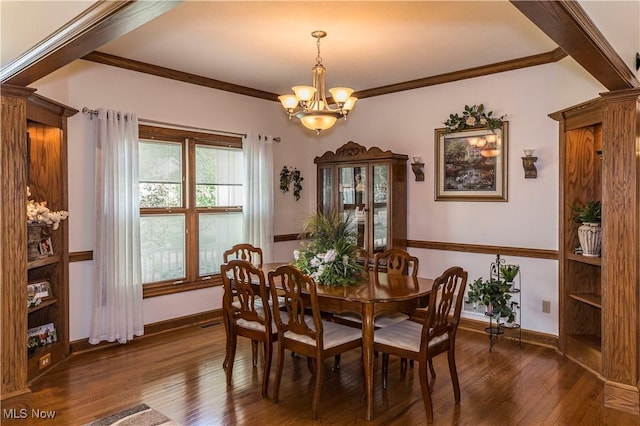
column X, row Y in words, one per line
column 87, row 84
column 403, row 122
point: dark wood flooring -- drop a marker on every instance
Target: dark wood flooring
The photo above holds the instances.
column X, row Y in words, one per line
column 180, row 374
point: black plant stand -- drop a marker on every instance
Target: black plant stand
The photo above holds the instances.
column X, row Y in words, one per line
column 495, row 330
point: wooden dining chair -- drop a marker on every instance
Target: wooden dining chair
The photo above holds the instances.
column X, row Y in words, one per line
column 436, row 335
column 393, row 261
column 244, row 251
column 253, row 255
column 396, row 261
column 247, row 313
column 306, row 335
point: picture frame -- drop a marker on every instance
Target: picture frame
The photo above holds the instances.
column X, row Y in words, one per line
column 41, row 336
column 471, row 165
column 45, row 247
column 39, row 289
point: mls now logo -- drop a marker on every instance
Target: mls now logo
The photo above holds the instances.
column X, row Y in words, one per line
column 23, row 413
column 15, row 413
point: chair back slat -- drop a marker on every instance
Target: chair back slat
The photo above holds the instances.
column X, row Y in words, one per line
column 396, row 261
column 246, row 252
column 289, row 283
column 245, row 292
column 445, row 304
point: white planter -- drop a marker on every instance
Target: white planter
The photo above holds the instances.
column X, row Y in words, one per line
column 589, row 235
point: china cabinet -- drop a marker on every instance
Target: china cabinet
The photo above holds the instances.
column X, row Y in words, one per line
column 34, row 154
column 370, row 185
column 599, row 312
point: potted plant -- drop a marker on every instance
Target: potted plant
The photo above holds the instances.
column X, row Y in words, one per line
column 495, row 295
column 509, row 272
column 589, row 216
column 590, row 212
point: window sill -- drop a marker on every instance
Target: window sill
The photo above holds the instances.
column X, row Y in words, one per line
column 163, row 289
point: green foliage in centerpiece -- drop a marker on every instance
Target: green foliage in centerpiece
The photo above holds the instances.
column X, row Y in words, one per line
column 329, row 256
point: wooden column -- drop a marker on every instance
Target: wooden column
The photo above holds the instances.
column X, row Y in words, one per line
column 13, row 269
column 621, row 250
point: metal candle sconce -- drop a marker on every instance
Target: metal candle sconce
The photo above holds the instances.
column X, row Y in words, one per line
column 528, row 163
column 417, row 167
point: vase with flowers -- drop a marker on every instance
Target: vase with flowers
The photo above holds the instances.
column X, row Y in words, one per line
column 329, row 255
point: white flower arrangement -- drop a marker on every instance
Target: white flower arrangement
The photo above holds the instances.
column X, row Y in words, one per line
column 39, row 213
column 330, row 256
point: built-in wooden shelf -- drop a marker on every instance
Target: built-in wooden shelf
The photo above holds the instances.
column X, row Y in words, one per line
column 596, row 261
column 50, row 260
column 43, row 304
column 588, row 298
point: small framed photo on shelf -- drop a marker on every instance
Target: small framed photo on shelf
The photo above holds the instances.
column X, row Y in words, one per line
column 39, row 289
column 45, row 248
column 41, row 336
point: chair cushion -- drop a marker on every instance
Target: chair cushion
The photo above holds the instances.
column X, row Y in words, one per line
column 333, row 335
column 405, row 335
column 382, row 320
column 255, row 325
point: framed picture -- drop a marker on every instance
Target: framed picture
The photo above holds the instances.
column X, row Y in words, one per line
column 45, row 247
column 471, row 165
column 41, row 336
column 37, row 291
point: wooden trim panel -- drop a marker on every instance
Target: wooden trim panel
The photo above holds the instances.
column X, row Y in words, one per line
column 484, row 249
column 81, row 256
column 514, row 64
column 567, row 24
column 528, row 336
column 162, row 289
column 285, row 237
column 101, row 23
column 150, row 330
column 132, row 65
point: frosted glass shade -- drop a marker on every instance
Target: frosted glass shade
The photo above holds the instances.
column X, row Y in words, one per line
column 304, row 93
column 318, row 122
column 340, row 94
column 289, row 102
column 348, row 105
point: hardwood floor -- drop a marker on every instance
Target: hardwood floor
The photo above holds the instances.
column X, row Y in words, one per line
column 180, row 374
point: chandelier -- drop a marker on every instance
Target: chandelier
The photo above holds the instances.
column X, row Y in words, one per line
column 309, row 103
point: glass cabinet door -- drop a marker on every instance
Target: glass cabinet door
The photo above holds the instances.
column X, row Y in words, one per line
column 326, row 189
column 352, row 199
column 380, row 219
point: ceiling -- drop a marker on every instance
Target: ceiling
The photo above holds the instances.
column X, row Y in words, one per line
column 267, row 45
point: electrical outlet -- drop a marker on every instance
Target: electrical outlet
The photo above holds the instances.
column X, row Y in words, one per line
column 546, row 306
column 44, row 361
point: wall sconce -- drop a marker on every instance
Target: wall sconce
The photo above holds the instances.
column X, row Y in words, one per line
column 528, row 163
column 417, row 167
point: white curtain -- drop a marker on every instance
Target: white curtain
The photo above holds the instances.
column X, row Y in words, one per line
column 258, row 192
column 117, row 306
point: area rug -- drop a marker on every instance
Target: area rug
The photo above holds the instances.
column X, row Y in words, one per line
column 141, row 415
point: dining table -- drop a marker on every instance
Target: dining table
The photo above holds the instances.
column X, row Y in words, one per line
column 376, row 293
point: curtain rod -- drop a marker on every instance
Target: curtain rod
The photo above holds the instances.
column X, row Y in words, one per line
column 93, row 112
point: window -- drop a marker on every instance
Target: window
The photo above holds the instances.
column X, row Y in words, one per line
column 191, row 189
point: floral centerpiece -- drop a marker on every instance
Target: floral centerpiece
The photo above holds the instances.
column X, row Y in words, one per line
column 473, row 116
column 39, row 213
column 329, row 257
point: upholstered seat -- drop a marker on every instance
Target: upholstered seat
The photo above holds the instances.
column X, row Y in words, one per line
column 311, row 337
column 244, row 315
column 435, row 335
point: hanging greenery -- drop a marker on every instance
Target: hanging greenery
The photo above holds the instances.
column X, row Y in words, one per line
column 473, row 116
column 288, row 175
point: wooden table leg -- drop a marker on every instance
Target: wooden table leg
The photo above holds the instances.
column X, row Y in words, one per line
column 367, row 354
